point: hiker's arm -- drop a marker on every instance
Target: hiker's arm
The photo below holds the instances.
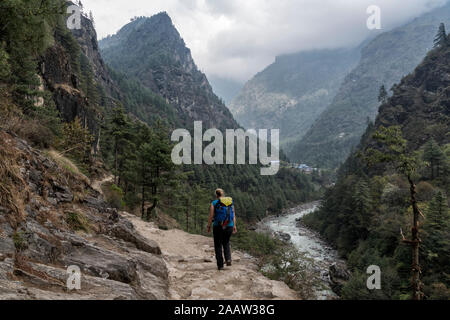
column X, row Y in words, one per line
column 211, row 215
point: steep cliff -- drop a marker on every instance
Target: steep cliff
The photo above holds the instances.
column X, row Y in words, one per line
column 75, row 74
column 385, row 60
column 293, row 91
column 364, row 214
column 151, row 50
column 50, row 218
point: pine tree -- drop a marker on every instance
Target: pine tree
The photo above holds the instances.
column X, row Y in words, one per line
column 157, row 168
column 5, row 68
column 395, row 152
column 118, row 131
column 26, row 32
column 383, row 95
column 436, row 243
column 435, row 157
column 441, row 37
column 91, row 17
column 77, row 140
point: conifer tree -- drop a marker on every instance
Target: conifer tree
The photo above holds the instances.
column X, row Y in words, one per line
column 157, row 168
column 77, row 140
column 435, row 157
column 91, row 17
column 383, row 95
column 394, row 151
column 118, row 131
column 441, row 37
column 436, row 243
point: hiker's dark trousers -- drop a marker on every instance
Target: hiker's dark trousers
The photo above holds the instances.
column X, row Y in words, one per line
column 222, row 240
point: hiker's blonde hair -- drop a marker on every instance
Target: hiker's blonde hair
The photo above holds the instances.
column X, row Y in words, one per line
column 220, row 193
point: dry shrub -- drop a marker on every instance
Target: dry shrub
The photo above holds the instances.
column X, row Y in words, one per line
column 70, row 173
column 77, row 221
column 12, row 185
column 66, row 164
column 33, row 131
column 22, row 265
column 10, row 115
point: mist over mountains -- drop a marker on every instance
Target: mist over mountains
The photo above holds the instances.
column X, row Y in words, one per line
column 322, row 100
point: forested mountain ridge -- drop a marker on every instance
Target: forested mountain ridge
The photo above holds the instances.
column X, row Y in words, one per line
column 152, row 51
column 66, row 120
column 384, row 61
column 293, row 91
column 68, row 99
column 364, row 214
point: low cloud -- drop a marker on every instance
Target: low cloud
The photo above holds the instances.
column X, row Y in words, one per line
column 235, row 39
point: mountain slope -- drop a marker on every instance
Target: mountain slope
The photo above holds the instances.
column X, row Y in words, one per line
column 364, row 213
column 385, row 60
column 151, row 51
column 293, row 91
column 50, row 219
column 226, row 89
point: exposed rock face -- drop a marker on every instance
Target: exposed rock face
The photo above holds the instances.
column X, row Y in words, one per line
column 193, row 273
column 152, row 51
column 283, row 236
column 420, row 104
column 385, row 60
column 56, row 220
column 339, row 275
column 293, row 91
column 62, row 81
column 87, row 39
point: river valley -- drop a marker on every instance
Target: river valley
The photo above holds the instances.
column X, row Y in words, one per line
column 322, row 255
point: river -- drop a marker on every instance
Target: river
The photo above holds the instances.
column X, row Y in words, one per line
column 307, row 242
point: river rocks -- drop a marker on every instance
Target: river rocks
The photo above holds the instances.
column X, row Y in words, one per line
column 283, row 236
column 338, row 275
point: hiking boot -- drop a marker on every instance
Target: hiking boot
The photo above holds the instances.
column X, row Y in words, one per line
column 220, row 268
column 229, row 263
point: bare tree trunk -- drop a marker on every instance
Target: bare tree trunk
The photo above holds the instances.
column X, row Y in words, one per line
column 415, row 241
column 150, row 209
column 143, row 193
column 187, row 220
column 115, row 162
column 143, row 202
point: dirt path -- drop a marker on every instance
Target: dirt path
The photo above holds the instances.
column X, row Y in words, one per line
column 97, row 184
column 193, row 273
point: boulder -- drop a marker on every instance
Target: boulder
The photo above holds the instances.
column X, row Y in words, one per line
column 125, row 230
column 338, row 275
column 283, row 236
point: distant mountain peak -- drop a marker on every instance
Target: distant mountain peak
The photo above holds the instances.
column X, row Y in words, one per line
column 152, row 51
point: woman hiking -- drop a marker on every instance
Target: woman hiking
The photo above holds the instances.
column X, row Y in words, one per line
column 223, row 215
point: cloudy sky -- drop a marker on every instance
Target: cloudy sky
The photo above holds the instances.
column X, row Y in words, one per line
column 235, row 39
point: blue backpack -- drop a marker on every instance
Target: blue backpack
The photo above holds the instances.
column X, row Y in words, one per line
column 223, row 211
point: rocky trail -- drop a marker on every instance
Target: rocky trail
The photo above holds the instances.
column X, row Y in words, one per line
column 193, row 273
column 97, row 184
column 52, row 218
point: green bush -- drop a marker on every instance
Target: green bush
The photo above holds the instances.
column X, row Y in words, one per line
column 115, row 197
column 77, row 221
column 19, row 241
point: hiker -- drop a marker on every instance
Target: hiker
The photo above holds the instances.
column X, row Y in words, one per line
column 224, row 216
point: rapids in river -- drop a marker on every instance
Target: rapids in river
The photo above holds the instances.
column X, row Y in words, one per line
column 308, row 242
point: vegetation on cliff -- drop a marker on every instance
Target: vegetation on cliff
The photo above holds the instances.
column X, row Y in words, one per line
column 369, row 209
